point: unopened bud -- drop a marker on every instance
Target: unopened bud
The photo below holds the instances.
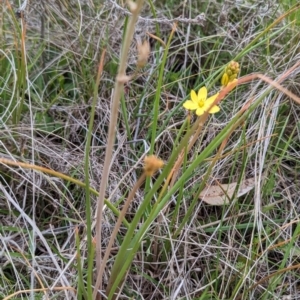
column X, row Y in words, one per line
column 225, row 79
column 231, row 73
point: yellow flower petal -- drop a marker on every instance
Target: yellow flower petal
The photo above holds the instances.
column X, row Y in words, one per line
column 194, row 96
column 202, row 93
column 210, row 100
column 199, row 111
column 189, row 104
column 214, row 109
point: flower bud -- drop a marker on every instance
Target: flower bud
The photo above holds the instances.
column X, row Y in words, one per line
column 231, row 73
column 225, row 79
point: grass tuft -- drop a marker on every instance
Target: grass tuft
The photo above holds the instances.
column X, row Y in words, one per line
column 83, row 103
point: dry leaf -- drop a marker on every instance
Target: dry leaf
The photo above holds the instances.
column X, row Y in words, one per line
column 222, row 193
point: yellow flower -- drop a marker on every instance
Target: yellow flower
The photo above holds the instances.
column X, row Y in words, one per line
column 200, row 103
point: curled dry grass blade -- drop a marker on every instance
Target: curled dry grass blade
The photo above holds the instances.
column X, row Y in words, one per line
column 63, row 288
